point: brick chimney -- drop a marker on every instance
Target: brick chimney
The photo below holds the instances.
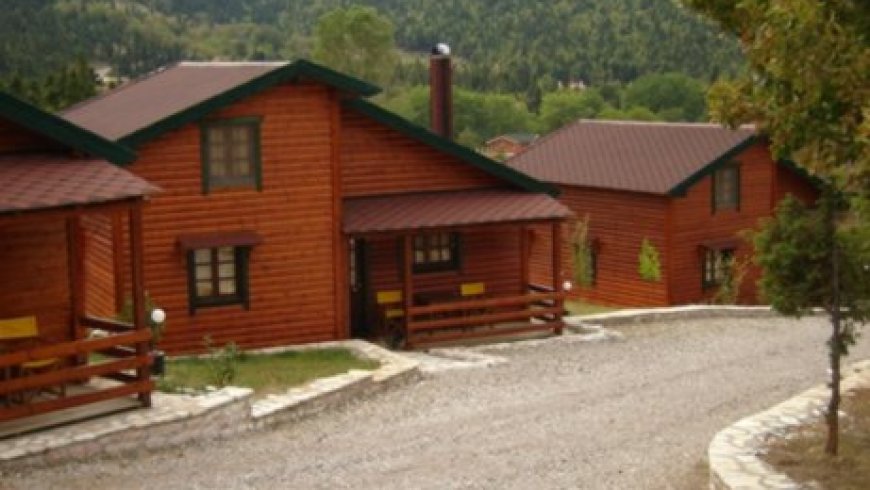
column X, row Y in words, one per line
column 441, row 91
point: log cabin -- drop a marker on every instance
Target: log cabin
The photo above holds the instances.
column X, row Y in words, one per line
column 294, row 210
column 687, row 189
column 55, row 178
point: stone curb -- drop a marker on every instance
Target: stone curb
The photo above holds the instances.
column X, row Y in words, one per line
column 733, row 452
column 651, row 315
column 175, row 419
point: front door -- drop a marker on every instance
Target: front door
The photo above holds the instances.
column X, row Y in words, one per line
column 358, row 282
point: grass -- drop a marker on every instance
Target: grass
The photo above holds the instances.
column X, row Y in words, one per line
column 265, row 373
column 579, row 307
column 802, row 456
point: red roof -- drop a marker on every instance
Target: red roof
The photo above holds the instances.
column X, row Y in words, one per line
column 152, row 98
column 29, row 182
column 443, row 209
column 624, row 155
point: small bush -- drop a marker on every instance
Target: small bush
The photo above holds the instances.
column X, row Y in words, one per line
column 649, row 267
column 584, row 275
column 222, row 363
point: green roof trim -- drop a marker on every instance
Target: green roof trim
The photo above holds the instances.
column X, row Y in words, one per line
column 299, row 69
column 63, row 131
column 449, row 147
column 680, row 189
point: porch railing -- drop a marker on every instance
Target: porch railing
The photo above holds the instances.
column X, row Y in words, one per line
column 123, row 357
column 462, row 319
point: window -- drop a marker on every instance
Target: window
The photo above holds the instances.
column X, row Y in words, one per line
column 231, row 154
column 218, row 276
column 435, row 252
column 716, row 265
column 726, row 188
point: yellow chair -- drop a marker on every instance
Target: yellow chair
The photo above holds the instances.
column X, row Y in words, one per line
column 24, row 329
column 472, row 289
column 392, row 314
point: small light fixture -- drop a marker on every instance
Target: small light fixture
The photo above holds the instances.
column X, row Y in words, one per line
column 567, row 286
column 158, row 315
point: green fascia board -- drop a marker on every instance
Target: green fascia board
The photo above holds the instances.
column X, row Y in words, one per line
column 63, row 131
column 299, row 69
column 450, row 147
column 680, row 189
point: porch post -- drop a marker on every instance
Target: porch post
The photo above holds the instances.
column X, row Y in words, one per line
column 76, row 258
column 138, row 295
column 408, row 289
column 557, row 274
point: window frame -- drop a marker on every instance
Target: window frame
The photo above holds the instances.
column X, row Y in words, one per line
column 241, row 258
column 428, row 267
column 708, row 261
column 255, row 180
column 715, row 203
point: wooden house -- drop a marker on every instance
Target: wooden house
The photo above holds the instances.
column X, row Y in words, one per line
column 688, row 189
column 508, row 145
column 293, row 210
column 56, row 178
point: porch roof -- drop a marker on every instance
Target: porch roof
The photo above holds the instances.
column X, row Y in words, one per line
column 444, row 209
column 42, row 181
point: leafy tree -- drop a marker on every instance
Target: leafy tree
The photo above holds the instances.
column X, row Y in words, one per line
column 563, row 106
column 357, row 40
column 674, row 96
column 635, row 113
column 808, row 90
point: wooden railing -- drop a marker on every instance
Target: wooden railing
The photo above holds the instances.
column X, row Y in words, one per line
column 459, row 319
column 125, row 359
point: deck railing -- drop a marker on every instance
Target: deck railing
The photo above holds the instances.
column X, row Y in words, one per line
column 124, row 358
column 462, row 319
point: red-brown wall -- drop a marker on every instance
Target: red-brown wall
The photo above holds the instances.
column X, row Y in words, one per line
column 99, row 265
column 291, row 276
column 35, row 275
column 14, row 138
column 377, row 160
column 618, row 221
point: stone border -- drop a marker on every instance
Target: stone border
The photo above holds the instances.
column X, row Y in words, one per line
column 733, row 453
column 175, row 419
column 652, row 315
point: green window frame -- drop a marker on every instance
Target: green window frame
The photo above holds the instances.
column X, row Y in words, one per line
column 726, row 188
column 230, row 154
column 218, row 276
column 715, row 266
column 435, row 252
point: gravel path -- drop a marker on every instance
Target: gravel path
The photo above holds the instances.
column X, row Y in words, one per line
column 632, row 414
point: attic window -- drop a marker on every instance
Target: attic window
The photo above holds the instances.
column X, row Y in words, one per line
column 231, row 153
column 726, row 188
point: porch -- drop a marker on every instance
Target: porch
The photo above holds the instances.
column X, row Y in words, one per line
column 51, row 346
column 449, row 266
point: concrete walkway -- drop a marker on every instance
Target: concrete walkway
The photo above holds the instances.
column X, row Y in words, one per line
column 632, row 413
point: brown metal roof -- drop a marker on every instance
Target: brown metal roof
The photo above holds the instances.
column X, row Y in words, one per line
column 632, row 156
column 145, row 101
column 442, row 209
column 29, row 182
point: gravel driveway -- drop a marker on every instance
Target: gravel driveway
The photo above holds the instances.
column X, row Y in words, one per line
column 638, row 413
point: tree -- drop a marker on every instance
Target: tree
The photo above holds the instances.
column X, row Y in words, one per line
column 674, row 96
column 808, row 89
column 563, row 106
column 357, row 40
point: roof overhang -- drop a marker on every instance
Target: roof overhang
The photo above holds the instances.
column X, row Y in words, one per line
column 450, row 209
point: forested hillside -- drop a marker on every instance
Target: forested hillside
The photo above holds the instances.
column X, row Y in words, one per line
column 502, row 45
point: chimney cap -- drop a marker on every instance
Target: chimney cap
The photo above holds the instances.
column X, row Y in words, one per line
column 441, row 49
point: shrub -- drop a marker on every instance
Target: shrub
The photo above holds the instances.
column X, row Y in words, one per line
column 649, row 267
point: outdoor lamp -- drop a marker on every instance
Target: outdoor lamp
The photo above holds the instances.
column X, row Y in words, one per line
column 158, row 315
column 567, row 286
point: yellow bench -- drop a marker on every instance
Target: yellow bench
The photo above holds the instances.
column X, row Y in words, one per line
column 26, row 328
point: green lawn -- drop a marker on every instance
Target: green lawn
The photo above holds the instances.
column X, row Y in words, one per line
column 265, row 373
column 577, row 307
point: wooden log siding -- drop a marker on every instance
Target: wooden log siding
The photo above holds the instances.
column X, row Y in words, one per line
column 380, row 160
column 292, row 291
column 620, row 221
column 14, row 138
column 99, row 265
column 35, row 277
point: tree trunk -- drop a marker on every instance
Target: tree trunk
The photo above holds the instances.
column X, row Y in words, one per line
column 835, row 345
